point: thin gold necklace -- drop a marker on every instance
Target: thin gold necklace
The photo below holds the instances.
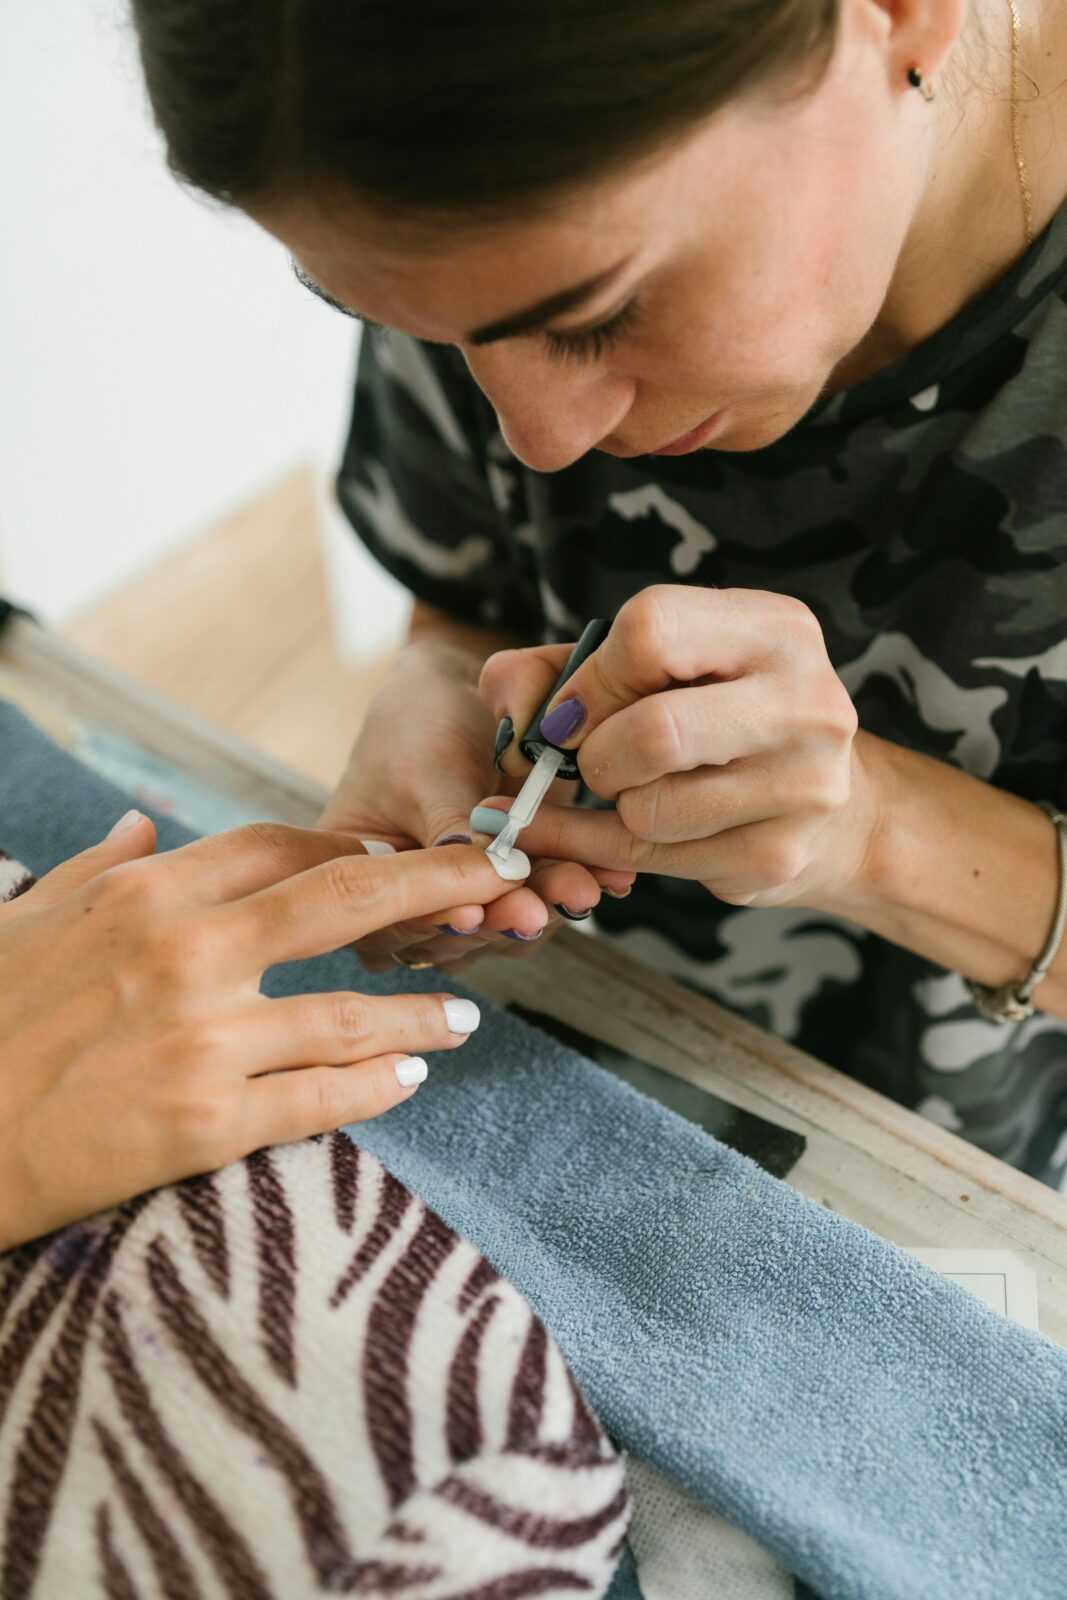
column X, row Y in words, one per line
column 1025, row 193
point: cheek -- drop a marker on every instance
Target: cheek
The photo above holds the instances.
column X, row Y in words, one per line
column 779, row 327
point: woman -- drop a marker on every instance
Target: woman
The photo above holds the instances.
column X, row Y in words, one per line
column 741, row 321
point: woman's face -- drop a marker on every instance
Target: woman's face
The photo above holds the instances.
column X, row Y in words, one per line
column 745, row 264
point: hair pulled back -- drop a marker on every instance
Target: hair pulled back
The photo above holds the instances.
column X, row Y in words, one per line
column 461, row 107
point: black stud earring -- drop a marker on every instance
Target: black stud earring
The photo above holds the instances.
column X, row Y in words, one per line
column 915, row 78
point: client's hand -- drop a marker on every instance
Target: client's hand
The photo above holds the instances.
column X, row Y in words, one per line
column 423, row 759
column 135, row 1046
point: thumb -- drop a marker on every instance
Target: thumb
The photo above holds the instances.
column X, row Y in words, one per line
column 133, row 836
column 514, row 683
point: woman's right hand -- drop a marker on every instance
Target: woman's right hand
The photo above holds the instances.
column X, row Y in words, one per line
column 423, row 759
column 135, row 1045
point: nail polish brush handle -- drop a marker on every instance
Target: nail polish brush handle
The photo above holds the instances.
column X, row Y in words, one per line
column 525, row 805
column 533, row 743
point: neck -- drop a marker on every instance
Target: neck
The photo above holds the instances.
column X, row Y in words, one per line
column 969, row 225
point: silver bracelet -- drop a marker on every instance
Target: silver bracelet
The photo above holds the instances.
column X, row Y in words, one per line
column 1013, row 1002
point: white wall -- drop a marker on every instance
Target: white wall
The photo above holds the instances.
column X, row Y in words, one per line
column 158, row 361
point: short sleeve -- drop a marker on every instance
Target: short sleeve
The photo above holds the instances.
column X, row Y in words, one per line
column 417, row 484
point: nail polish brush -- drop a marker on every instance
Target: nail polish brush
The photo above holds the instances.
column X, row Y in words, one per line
column 549, row 761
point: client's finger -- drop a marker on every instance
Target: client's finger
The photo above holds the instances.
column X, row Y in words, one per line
column 344, row 1027
column 295, row 1105
column 347, row 898
column 132, row 837
column 227, row 866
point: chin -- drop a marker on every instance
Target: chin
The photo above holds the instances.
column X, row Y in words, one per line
column 756, row 432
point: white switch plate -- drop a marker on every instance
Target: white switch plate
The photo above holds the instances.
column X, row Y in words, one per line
column 1002, row 1278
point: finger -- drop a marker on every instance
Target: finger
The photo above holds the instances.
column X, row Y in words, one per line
column 681, row 729
column 242, row 861
column 687, row 806
column 132, row 837
column 342, row 1028
column 295, row 1105
column 520, row 916
column 669, row 635
column 349, row 897
column 382, row 946
column 570, row 889
column 400, row 935
column 446, row 950
column 613, row 882
column 737, row 852
column 514, row 683
column 590, row 837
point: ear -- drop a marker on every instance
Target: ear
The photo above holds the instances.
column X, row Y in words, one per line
column 920, row 34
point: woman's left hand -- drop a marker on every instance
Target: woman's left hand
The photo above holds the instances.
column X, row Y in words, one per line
column 715, row 722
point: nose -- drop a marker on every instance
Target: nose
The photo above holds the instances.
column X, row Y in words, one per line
column 550, row 416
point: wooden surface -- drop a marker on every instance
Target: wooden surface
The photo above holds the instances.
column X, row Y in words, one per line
column 235, row 624
column 869, row 1159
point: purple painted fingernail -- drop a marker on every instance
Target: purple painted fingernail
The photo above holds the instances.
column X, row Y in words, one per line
column 527, row 938
column 565, row 720
column 460, row 933
column 573, row 916
column 454, row 838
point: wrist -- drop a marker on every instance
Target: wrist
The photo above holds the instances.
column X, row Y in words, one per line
column 436, row 629
column 865, row 848
column 441, row 655
column 955, row 869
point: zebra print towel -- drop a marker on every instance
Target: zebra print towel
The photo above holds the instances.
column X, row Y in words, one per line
column 285, row 1379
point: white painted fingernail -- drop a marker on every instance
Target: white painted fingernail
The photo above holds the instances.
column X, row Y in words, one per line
column 463, row 1016
column 125, row 823
column 410, row 1071
column 378, row 847
column 515, row 868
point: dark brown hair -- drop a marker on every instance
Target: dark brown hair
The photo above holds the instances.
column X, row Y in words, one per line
column 461, row 107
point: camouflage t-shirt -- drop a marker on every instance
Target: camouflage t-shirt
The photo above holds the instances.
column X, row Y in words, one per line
column 922, row 515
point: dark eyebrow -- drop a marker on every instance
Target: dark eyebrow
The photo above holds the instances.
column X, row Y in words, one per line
column 554, row 305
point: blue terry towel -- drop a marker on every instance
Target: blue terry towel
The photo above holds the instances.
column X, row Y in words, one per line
column 880, row 1431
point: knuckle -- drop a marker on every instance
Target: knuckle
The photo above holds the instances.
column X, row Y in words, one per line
column 832, row 791
column 179, row 957
column 643, row 622
column 129, row 889
column 278, row 838
column 350, row 1020
column 357, row 883
column 496, row 675
column 778, row 859
column 798, row 617
column 201, row 1042
column 201, row 1120
column 847, row 719
column 440, row 819
column 657, row 738
column 639, row 811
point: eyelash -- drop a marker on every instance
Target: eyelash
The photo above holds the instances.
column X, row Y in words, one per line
column 592, row 342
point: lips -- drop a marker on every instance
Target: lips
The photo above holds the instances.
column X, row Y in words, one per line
column 692, row 440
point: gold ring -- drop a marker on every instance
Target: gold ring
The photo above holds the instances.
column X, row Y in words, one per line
column 412, row 966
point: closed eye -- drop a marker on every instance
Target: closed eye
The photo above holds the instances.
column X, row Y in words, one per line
column 590, row 343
